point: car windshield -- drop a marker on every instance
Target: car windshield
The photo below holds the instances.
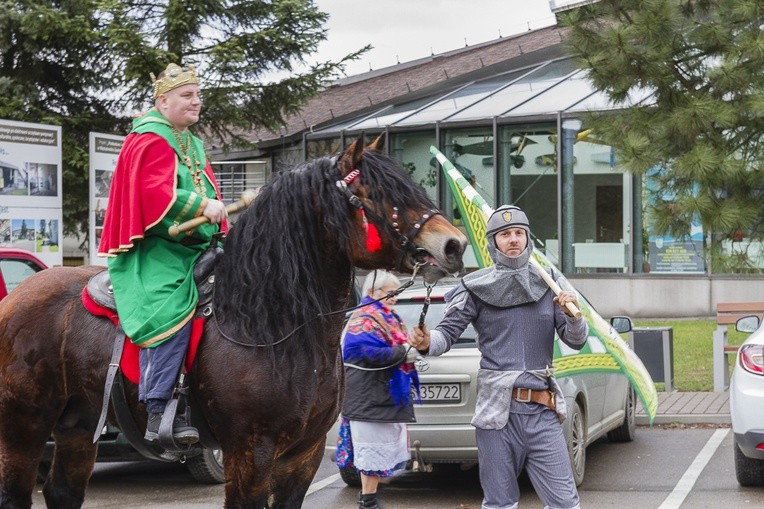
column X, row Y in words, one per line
column 411, row 310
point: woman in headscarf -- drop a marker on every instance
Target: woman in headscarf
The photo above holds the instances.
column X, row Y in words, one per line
column 379, row 375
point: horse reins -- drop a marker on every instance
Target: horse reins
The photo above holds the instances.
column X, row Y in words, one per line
column 390, row 294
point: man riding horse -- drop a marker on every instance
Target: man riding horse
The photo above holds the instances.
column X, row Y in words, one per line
column 162, row 178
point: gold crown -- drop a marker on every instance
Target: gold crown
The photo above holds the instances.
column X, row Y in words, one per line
column 174, row 77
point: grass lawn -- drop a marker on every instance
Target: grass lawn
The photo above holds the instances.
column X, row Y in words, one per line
column 693, row 340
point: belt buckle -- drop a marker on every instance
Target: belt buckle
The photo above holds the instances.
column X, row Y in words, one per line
column 520, row 398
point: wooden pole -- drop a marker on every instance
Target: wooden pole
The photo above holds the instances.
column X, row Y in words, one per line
column 554, row 286
column 246, row 198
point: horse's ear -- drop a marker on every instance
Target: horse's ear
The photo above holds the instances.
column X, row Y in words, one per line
column 352, row 157
column 378, row 144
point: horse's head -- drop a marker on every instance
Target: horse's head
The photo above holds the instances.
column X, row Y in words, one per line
column 387, row 204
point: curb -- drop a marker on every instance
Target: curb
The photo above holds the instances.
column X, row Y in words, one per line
column 641, row 419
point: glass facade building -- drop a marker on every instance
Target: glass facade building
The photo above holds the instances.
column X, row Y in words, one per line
column 503, row 133
column 519, row 137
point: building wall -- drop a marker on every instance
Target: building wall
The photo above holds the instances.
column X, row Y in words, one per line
column 668, row 296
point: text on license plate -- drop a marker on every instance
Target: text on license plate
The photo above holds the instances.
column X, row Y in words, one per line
column 432, row 393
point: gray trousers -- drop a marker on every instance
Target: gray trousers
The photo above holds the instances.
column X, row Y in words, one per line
column 533, row 441
column 160, row 367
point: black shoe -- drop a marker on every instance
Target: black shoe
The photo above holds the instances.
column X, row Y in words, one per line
column 152, row 428
column 182, row 432
column 368, row 501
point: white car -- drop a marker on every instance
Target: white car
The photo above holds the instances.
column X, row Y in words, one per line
column 599, row 404
column 747, row 404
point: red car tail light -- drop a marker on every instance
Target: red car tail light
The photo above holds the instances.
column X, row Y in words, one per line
column 752, row 358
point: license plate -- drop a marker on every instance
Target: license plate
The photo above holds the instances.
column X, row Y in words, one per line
column 440, row 393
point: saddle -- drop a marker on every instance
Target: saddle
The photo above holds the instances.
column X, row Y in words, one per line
column 98, row 298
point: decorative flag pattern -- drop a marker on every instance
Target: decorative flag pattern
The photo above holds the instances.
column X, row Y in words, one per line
column 604, row 351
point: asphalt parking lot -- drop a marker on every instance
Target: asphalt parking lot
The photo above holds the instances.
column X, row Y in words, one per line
column 666, row 467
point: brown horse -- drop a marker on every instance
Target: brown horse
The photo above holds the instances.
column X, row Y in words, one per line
column 268, row 377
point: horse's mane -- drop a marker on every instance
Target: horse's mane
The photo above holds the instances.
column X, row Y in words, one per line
column 288, row 249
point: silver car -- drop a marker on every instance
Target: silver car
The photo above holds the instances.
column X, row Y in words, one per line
column 599, row 404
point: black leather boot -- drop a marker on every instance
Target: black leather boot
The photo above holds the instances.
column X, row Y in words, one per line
column 182, row 431
column 368, row 501
column 152, row 428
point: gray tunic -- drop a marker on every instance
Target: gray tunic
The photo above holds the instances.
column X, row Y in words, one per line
column 517, row 346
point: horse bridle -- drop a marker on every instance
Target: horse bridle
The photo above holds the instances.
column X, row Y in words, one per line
column 406, row 242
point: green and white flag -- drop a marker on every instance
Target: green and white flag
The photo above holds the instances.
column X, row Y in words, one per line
column 604, row 351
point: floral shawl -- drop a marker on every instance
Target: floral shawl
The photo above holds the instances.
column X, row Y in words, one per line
column 371, row 333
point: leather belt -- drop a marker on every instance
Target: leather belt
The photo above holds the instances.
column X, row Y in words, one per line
column 541, row 397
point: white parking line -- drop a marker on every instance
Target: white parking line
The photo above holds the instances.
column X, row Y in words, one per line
column 323, row 483
column 685, row 484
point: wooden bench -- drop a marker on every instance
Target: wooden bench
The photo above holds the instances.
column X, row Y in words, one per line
column 727, row 313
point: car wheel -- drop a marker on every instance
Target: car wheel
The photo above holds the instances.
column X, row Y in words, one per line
column 577, row 443
column 351, row 476
column 626, row 431
column 207, row 467
column 749, row 471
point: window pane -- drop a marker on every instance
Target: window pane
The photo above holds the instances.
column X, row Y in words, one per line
column 528, row 179
column 455, row 101
column 519, row 91
column 470, row 151
column 412, row 150
column 236, row 177
column 601, row 242
column 556, row 98
column 15, row 271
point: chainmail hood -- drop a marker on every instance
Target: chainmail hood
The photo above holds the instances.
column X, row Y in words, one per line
column 510, row 281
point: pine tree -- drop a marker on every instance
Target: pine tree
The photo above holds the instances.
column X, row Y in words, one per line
column 85, row 64
column 698, row 63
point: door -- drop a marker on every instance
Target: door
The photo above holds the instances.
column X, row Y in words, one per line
column 609, row 212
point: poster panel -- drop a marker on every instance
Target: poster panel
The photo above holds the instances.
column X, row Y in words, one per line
column 666, row 253
column 31, row 215
column 104, row 149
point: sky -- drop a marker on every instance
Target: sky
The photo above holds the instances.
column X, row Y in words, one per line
column 405, row 30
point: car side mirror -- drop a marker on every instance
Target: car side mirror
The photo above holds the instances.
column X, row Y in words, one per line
column 747, row 324
column 621, row 324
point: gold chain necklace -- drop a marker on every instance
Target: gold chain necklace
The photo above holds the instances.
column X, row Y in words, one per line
column 190, row 160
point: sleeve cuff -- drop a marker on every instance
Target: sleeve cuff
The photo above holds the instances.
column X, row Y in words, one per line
column 576, row 328
column 438, row 344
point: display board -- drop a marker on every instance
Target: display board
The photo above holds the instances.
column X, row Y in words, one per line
column 104, row 150
column 31, row 215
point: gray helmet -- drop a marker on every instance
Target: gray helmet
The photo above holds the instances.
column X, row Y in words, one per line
column 507, row 216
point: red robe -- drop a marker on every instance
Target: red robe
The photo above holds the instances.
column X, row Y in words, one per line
column 133, row 209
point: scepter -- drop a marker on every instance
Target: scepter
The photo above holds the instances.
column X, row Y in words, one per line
column 246, row 198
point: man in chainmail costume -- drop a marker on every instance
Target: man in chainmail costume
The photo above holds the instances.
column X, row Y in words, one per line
column 520, row 406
